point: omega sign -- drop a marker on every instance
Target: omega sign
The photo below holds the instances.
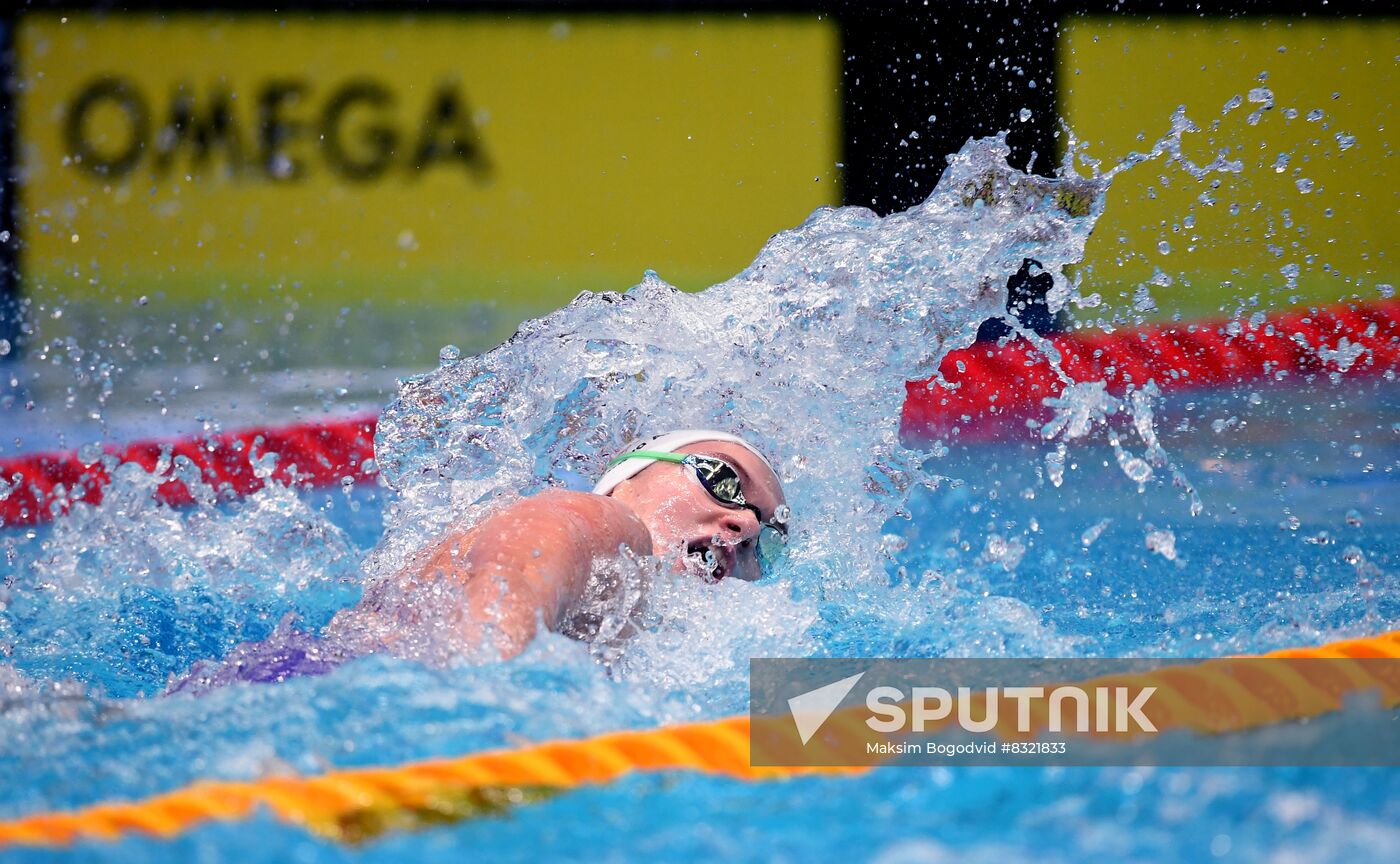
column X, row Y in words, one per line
column 283, row 130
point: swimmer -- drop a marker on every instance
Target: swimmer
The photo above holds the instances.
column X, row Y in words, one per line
column 709, row 496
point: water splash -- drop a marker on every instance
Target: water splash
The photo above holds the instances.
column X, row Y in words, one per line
column 1343, row 356
column 1083, row 407
column 826, row 325
column 271, row 539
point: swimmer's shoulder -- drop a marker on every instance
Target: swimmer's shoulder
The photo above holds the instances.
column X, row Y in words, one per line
column 582, row 504
column 610, row 520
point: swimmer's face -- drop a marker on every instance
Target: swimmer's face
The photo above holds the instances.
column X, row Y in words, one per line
column 682, row 516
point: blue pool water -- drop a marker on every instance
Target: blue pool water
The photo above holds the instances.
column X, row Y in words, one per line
column 77, row 727
column 1238, row 520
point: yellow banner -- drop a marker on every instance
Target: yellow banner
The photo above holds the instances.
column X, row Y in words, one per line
column 417, row 158
column 1303, row 104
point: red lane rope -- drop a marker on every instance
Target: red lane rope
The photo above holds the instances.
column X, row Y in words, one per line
column 988, row 385
column 42, row 485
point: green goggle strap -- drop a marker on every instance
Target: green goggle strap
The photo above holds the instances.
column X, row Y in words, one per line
column 678, row 458
column 682, row 459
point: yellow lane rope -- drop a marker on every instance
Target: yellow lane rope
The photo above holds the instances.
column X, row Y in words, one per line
column 1214, row 696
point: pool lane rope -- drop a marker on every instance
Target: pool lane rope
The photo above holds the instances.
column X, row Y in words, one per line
column 978, row 391
column 1212, row 697
column 989, row 384
column 39, row 486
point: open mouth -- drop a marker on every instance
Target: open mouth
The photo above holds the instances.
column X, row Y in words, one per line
column 714, row 563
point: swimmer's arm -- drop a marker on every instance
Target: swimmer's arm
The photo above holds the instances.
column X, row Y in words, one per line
column 530, row 562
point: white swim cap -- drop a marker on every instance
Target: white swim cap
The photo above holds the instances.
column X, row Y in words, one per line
column 669, row 442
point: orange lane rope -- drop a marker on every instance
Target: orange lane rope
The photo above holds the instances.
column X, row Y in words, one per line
column 1214, row 696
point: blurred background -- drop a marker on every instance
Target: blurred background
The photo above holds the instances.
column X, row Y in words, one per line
column 233, row 215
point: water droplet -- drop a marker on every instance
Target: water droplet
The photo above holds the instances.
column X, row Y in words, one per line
column 1314, row 115
column 1092, row 533
column 1164, row 247
column 1220, row 845
column 1304, row 185
column 1137, row 469
column 1006, row 551
column 1345, row 141
column 1025, row 114
column 1162, row 541
column 281, row 166
column 449, row 354
column 1055, row 464
column 1142, row 299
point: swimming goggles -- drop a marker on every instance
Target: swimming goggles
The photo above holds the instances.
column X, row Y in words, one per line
column 721, row 480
